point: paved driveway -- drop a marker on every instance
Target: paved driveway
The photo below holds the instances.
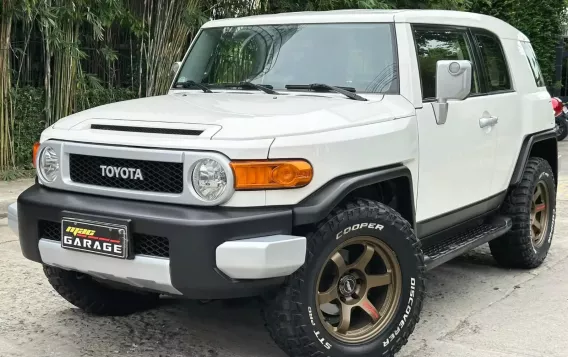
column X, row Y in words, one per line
column 473, row 308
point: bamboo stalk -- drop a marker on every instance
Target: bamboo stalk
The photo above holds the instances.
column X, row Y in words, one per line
column 6, row 143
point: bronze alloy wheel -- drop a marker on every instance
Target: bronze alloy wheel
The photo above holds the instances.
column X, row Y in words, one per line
column 358, row 289
column 539, row 214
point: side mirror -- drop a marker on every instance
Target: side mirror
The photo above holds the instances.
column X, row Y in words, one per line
column 175, row 68
column 453, row 82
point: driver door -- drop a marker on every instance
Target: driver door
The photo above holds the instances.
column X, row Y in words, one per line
column 457, row 158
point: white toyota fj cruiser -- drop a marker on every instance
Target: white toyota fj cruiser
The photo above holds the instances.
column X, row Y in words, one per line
column 323, row 161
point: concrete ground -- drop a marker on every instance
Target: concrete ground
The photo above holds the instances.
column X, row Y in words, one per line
column 473, row 308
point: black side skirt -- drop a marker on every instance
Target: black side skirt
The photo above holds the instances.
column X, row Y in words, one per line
column 453, row 222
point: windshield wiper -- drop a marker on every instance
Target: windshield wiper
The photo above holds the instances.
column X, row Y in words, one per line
column 266, row 88
column 194, row 84
column 346, row 91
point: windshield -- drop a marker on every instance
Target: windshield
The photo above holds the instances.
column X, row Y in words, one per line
column 359, row 56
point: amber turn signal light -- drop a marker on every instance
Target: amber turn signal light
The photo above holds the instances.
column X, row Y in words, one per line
column 34, row 153
column 271, row 174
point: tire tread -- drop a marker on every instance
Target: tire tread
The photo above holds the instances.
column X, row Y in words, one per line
column 282, row 314
column 515, row 249
column 95, row 298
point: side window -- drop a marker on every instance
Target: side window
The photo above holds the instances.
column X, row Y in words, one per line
column 493, row 62
column 435, row 44
column 533, row 62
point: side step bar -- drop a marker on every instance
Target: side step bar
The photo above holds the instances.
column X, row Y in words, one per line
column 453, row 247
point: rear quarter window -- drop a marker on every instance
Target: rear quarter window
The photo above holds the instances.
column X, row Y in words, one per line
column 533, row 63
column 493, row 62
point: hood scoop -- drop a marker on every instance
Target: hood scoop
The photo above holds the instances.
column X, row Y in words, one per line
column 121, row 129
column 149, row 130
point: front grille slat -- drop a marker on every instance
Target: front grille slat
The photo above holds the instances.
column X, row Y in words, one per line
column 144, row 244
column 162, row 177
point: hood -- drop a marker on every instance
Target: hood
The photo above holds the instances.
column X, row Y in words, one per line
column 243, row 115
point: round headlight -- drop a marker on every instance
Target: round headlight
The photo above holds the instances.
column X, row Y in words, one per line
column 209, row 179
column 48, row 164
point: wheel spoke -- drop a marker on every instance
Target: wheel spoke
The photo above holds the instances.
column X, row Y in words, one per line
column 537, row 224
column 337, row 258
column 537, row 194
column 345, row 322
column 370, row 309
column 328, row 296
column 379, row 280
column 364, row 259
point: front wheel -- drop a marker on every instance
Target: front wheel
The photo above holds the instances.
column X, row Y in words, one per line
column 360, row 291
column 95, row 298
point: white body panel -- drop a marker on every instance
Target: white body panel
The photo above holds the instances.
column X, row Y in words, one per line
column 519, row 113
column 453, row 165
column 344, row 151
column 456, row 159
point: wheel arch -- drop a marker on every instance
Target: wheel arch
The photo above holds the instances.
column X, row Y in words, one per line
column 543, row 145
column 394, row 181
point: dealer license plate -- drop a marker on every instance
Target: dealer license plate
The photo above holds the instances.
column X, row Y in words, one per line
column 95, row 237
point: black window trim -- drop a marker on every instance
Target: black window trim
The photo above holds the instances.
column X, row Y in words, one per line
column 476, row 57
column 523, row 44
column 484, row 32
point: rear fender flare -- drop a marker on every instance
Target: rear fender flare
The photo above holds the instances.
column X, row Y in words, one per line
column 548, row 136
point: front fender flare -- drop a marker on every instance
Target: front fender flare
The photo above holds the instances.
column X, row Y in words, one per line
column 319, row 204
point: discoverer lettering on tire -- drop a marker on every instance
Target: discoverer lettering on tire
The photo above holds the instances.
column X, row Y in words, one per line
column 406, row 313
column 317, row 332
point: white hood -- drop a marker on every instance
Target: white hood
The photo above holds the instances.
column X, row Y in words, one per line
column 244, row 115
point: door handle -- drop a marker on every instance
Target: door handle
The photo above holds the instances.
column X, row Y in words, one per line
column 490, row 121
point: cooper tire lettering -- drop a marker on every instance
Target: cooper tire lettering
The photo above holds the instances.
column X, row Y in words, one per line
column 356, row 227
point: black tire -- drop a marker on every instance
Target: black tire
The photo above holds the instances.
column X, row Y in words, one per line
column 95, row 298
column 516, row 249
column 562, row 129
column 287, row 314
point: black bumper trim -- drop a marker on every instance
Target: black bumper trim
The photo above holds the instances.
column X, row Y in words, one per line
column 194, row 234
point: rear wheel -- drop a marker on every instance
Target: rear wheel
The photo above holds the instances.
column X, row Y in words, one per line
column 95, row 298
column 360, row 291
column 532, row 206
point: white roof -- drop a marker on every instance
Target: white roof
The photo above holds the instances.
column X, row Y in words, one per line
column 440, row 17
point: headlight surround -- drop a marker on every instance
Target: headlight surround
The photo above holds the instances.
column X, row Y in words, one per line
column 48, row 164
column 209, row 179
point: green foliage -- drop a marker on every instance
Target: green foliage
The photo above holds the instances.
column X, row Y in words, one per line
column 17, row 174
column 95, row 46
column 29, row 121
column 274, row 6
column 29, row 104
column 541, row 21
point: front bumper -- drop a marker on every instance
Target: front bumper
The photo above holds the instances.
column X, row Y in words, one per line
column 13, row 217
column 214, row 253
